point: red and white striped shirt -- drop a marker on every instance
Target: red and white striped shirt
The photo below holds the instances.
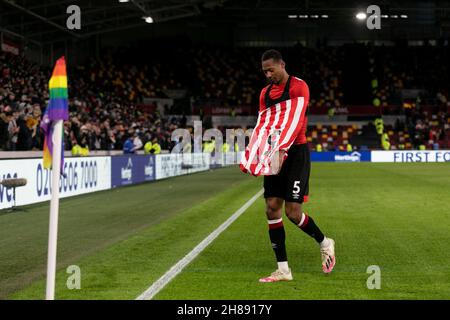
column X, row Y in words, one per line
column 297, row 88
column 277, row 129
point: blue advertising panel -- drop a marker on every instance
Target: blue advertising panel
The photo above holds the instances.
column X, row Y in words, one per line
column 132, row 169
column 341, row 156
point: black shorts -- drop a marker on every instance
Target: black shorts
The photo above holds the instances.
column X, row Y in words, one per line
column 292, row 182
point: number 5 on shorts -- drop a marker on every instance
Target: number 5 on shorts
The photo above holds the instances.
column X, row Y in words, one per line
column 296, row 189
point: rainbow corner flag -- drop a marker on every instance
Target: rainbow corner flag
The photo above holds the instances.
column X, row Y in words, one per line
column 57, row 109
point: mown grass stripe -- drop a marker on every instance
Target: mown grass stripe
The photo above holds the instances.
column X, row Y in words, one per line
column 179, row 266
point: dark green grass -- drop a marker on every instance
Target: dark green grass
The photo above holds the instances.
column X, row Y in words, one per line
column 89, row 224
column 395, row 216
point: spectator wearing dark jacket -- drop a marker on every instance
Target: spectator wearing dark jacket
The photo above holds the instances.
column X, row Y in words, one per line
column 24, row 136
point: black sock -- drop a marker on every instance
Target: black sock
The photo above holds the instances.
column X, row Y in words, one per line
column 308, row 226
column 277, row 237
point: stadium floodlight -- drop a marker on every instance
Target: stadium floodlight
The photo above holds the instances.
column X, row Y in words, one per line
column 361, row 16
column 148, row 19
column 292, row 16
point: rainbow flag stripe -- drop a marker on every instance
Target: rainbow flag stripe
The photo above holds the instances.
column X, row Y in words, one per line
column 58, row 109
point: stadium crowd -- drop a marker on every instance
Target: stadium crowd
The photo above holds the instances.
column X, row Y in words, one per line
column 106, row 94
column 103, row 106
column 233, row 76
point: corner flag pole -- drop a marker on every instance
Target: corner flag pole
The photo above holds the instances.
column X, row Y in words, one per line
column 54, row 210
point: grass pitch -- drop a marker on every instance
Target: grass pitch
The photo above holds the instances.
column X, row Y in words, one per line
column 394, row 216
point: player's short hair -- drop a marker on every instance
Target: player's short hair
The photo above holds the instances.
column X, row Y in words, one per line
column 272, row 54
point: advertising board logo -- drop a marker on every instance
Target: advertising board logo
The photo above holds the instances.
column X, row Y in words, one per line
column 165, row 165
column 126, row 173
column 353, row 157
column 148, row 168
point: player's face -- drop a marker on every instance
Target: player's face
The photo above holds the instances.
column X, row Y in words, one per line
column 273, row 70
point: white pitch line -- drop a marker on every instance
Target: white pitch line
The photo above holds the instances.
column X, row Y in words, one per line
column 180, row 265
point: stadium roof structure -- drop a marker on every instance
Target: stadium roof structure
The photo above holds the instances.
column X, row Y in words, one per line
column 45, row 21
column 42, row 21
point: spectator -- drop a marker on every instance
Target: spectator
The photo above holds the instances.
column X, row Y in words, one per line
column 128, row 146
column 4, row 134
column 137, row 142
column 156, row 148
column 24, row 135
column 13, row 131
